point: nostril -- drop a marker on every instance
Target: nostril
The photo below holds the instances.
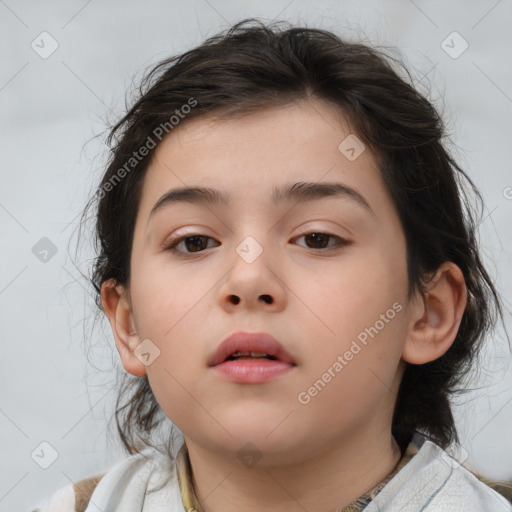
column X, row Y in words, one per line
column 267, row 298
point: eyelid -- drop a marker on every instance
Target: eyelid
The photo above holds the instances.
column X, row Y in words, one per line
column 342, row 242
column 170, row 244
column 179, row 237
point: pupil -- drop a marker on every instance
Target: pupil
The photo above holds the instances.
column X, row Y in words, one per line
column 317, row 236
column 196, row 244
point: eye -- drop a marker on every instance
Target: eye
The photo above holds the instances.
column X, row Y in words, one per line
column 320, row 240
column 196, row 243
column 192, row 243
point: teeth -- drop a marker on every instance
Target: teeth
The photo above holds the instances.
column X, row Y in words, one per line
column 252, row 354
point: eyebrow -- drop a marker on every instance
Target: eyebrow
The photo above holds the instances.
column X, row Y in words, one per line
column 300, row 192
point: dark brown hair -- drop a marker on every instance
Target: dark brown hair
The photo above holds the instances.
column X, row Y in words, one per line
column 252, row 66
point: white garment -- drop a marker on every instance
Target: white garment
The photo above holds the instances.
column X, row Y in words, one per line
column 432, row 481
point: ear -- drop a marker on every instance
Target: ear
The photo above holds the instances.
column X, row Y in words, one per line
column 436, row 316
column 116, row 304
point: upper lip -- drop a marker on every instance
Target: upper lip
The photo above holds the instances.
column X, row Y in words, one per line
column 250, row 342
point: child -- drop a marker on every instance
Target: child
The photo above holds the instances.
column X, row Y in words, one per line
column 308, row 347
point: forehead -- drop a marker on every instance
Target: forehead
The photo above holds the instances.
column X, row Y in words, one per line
column 252, row 156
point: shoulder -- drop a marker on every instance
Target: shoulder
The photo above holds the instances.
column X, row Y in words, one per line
column 434, row 481
column 62, row 500
column 502, row 487
column 76, row 496
column 120, row 487
column 73, row 497
column 465, row 489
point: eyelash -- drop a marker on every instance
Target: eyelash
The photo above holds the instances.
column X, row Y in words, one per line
column 171, row 246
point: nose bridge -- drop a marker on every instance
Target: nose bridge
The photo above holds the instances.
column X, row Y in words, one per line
column 251, row 262
column 250, row 250
column 253, row 239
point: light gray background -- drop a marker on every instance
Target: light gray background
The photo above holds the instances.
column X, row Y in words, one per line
column 51, row 109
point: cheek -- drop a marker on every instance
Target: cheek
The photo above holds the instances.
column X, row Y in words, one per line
column 350, row 294
column 357, row 313
column 347, row 381
column 170, row 308
column 166, row 297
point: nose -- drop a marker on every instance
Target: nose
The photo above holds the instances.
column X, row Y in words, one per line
column 254, row 279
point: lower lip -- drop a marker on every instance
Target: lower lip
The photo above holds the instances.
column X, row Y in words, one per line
column 252, row 372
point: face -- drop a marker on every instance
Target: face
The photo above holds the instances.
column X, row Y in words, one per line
column 330, row 282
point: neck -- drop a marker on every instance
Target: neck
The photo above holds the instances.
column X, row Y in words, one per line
column 326, row 481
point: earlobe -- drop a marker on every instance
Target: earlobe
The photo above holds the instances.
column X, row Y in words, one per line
column 435, row 319
column 118, row 310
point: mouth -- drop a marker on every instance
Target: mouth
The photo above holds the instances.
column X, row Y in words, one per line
column 243, row 346
column 251, row 358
